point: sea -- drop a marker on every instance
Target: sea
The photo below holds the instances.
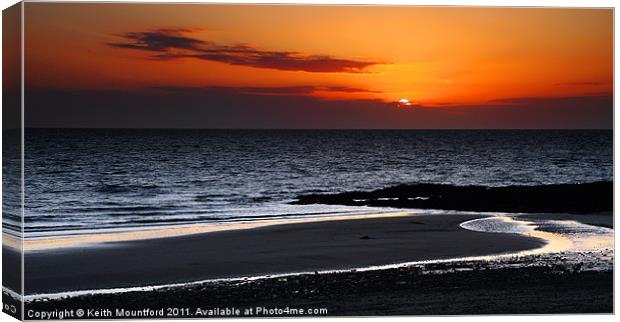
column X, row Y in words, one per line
column 82, row 181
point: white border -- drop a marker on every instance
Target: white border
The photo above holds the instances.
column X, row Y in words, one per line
column 506, row 3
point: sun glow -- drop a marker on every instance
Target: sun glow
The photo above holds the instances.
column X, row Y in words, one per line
column 403, row 102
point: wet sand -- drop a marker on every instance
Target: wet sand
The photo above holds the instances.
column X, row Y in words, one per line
column 267, row 250
column 601, row 219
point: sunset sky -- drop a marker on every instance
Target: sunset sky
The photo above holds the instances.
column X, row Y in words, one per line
column 183, row 65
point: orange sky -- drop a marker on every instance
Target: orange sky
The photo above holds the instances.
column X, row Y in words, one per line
column 431, row 56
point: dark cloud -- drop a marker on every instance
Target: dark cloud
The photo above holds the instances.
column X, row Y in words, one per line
column 167, row 44
column 347, row 89
column 286, row 90
column 283, row 90
column 161, row 40
column 592, row 83
column 583, row 100
column 228, row 108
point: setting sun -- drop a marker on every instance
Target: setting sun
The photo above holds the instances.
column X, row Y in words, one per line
column 404, row 102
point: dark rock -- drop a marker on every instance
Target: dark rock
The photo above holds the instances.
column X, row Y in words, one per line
column 556, row 198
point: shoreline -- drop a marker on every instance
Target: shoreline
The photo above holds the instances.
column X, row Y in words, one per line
column 155, row 232
column 12, row 243
column 271, row 250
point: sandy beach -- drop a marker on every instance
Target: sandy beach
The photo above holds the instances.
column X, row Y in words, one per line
column 261, row 251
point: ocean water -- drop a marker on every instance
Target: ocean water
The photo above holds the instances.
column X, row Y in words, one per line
column 84, row 181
